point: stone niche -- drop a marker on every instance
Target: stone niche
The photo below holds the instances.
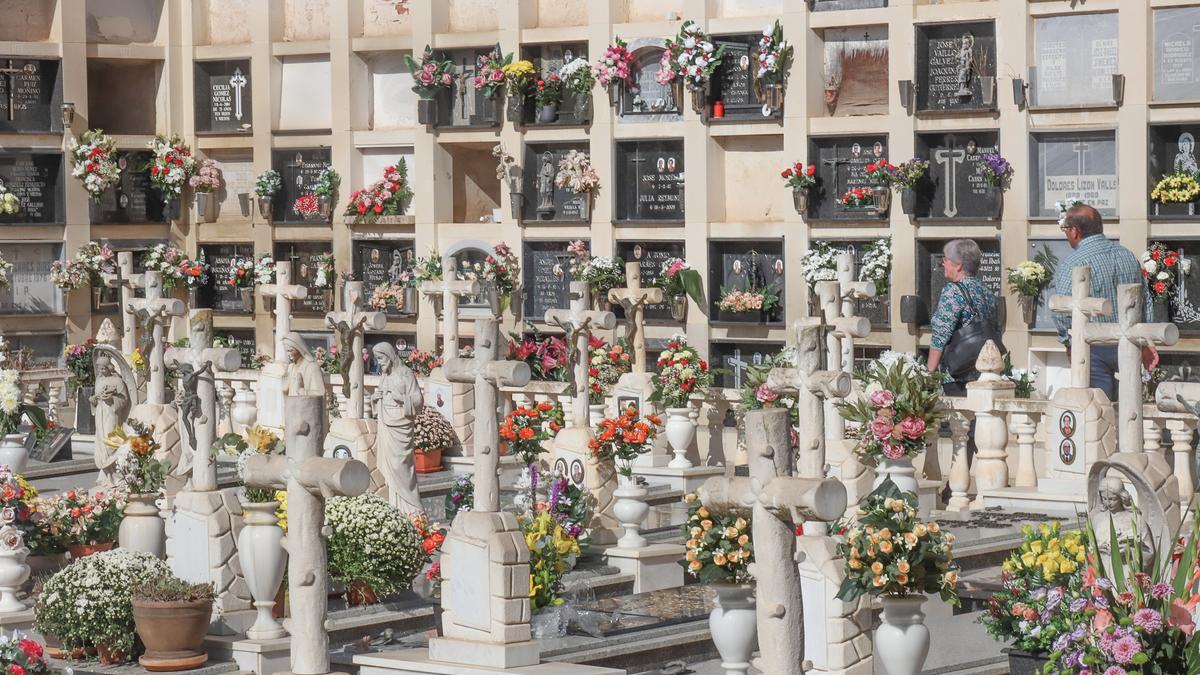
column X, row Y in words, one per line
column 1068, row 71
column 551, row 13
column 954, row 189
column 30, row 290
column 1184, row 307
column 545, row 276
column 548, row 59
column 652, row 10
column 734, row 82
column 372, row 162
column 26, row 20
column 1177, row 54
column 734, row 357
column 544, row 201
column 302, row 255
column 1070, row 167
column 749, row 160
column 300, row 168
column 742, row 264
column 36, row 178
column 305, row 86
column 122, row 95
column 877, row 309
column 218, row 294
column 132, row 199
column 646, row 98
column 391, row 102
column 223, row 104
column 306, row 20
column 856, row 71
column 1172, row 148
column 731, row 9
column 387, row 17
column 47, row 347
column 380, row 262
column 31, row 96
column 650, row 256
column 473, row 182
column 1059, row 249
column 236, row 196
column 841, row 163
column 228, row 22
column 468, row 16
column 956, row 67
column 123, row 22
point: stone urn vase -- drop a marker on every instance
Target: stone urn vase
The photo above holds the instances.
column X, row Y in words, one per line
column 902, row 638
column 173, row 632
column 630, row 510
column 734, row 626
column 260, row 546
column 901, row 471
column 681, row 431
column 13, row 574
column 13, row 452
column 142, row 529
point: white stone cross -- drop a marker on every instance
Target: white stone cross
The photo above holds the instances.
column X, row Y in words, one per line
column 1082, row 307
column 154, row 311
column 309, row 479
column 128, row 282
column 284, row 292
column 578, row 322
column 633, row 298
column 450, row 288
column 350, row 324
column 837, row 307
column 198, row 417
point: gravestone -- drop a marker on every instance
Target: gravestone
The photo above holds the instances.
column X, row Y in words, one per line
column 36, row 178
column 222, row 96
column 1185, row 305
column 1176, row 54
column 650, row 180
column 544, row 201
column 837, row 5
column 243, row 341
column 545, row 277
column 379, row 262
column 878, row 309
column 650, row 255
column 841, row 166
column 219, row 294
column 302, row 255
column 856, row 71
column 954, row 188
column 733, row 262
column 30, row 95
column 1060, row 249
column 299, row 169
column 1172, row 149
column 132, row 199
column 54, row 446
column 30, row 290
column 736, row 356
column 1073, row 167
column 646, row 97
column 733, row 83
column 471, row 256
column 469, row 107
column 952, row 61
column 1074, row 57
column 931, row 281
column 548, row 59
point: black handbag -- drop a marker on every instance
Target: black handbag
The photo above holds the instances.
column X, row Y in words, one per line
column 961, row 352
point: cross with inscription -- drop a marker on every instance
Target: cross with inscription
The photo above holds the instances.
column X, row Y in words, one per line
column 738, row 365
column 237, row 83
column 28, row 69
column 950, row 158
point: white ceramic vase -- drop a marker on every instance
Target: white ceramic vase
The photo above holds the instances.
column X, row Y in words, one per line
column 630, row 510
column 734, row 626
column 901, row 472
column 13, row 573
column 142, row 529
column 263, row 557
column 902, row 638
column 595, row 414
column 681, row 431
column 13, row 452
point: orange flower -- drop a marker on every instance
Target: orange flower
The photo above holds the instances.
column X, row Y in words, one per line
column 526, row 433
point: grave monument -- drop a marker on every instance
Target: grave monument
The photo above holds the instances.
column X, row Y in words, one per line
column 272, row 380
column 455, row 401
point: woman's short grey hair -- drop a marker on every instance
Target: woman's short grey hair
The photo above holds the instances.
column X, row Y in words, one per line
column 964, row 252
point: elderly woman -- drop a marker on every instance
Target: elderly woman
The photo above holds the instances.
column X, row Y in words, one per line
column 965, row 317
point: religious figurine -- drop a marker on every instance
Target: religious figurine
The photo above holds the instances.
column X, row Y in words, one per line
column 1115, row 504
column 110, row 405
column 397, row 268
column 188, row 400
column 397, row 400
column 1185, row 160
column 545, row 184
column 304, row 377
column 966, row 45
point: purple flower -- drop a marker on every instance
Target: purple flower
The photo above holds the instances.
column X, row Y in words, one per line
column 1148, row 620
column 1074, row 659
column 1078, row 604
column 1104, row 584
column 1061, row 642
column 1100, row 602
column 1053, row 598
column 1078, row 633
column 1161, row 591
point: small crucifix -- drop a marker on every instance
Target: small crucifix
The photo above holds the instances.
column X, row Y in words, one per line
column 11, row 72
column 633, row 298
column 350, row 324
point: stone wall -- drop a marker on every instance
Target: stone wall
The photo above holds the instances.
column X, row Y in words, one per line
column 26, row 20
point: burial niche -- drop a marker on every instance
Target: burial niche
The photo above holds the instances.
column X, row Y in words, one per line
column 646, row 96
column 1177, row 54
column 30, row 290
column 308, row 269
column 954, row 188
column 546, row 277
column 543, row 200
column 299, row 169
column 1075, row 58
column 736, row 357
column 956, row 67
column 841, row 167
column 754, row 266
column 931, row 280
column 35, row 178
column 30, row 95
column 1070, row 167
column 1172, row 150
column 856, row 71
column 219, row 294
column 650, row 256
column 223, row 104
column 549, row 59
column 384, row 262
column 649, row 181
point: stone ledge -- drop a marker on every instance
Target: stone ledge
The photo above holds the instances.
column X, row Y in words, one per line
column 417, row 661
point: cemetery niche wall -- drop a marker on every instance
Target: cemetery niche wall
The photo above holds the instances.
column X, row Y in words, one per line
column 1058, row 249
column 649, row 180
column 931, row 280
column 650, row 256
column 1176, row 54
column 463, row 106
column 754, row 266
column 30, row 95
column 545, row 277
column 1172, row 150
column 35, row 177
column 219, row 294
column 30, row 290
column 382, row 262
column 956, row 67
column 223, row 104
column 842, row 166
column 132, row 200
column 543, row 200
column 856, row 71
column 241, row 340
column 647, row 98
column 299, row 170
column 735, row 357
column 836, row 5
column 1070, row 167
column 306, row 258
column 953, row 189
column 1069, row 71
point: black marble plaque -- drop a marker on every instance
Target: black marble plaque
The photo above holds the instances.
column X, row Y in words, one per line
column 650, row 181
column 835, row 5
column 219, row 294
column 1177, row 54
column 733, row 84
column 241, row 340
column 1060, row 249
column 1180, row 366
column 404, row 343
column 740, row 264
column 36, row 178
column 222, row 96
column 546, row 277
column 299, row 170
column 646, row 96
column 931, row 280
column 133, row 199
column 304, row 271
column 30, row 95
column 548, row 59
column 1184, row 307
column 877, row 309
column 842, row 165
column 1073, row 166
column 544, row 201
column 951, row 59
column 30, row 290
column 736, row 357
column 650, row 256
column 1172, row 149
column 1074, row 59
column 380, row 263
column 467, row 106
column 954, row 188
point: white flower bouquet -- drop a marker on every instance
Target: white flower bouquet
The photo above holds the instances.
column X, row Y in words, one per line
column 268, row 183
column 690, row 56
column 13, row 407
column 94, row 162
column 9, row 203
column 172, row 166
column 166, row 260
column 602, row 273
column 575, row 173
column 5, row 273
column 372, row 543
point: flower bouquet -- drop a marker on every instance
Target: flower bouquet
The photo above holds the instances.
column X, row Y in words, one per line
column 78, row 360
column 691, row 57
column 328, row 360
column 432, row 435
column 257, row 440
column 819, row 264
column 137, row 468
column 899, row 405
column 800, row 178
column 268, row 183
column 10, row 205
column 20, row 498
column 264, row 270
column 22, row 656
column 774, row 56
column 461, row 496
column 877, row 265
column 602, row 273
column 679, row 280
column 388, row 196
column 386, row 295
column 1180, row 187
column 681, row 374
column 79, row 519
column 373, row 548
column 489, row 77
column 857, row 198
column 207, row 178
column 552, row 553
column 430, row 75
column 171, row 167
column 615, row 67
column 624, row 438
column 575, row 173
column 500, row 271
column 606, row 365
column 578, row 78
column 1028, row 278
column 1160, row 268
column 13, row 407
column 194, row 272
column 737, row 301
column 548, row 94
column 547, row 357
column 422, row 363
column 996, row 171
column 165, row 260
column 719, row 548
column 94, row 162
column 527, row 428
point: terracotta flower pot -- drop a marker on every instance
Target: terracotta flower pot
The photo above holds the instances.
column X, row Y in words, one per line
column 359, row 593
column 428, row 461
column 173, row 633
column 279, row 609
column 78, row 551
column 111, row 655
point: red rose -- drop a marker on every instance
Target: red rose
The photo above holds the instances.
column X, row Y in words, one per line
column 1155, row 254
column 812, row 168
column 870, row 168
column 31, row 648
column 1159, row 287
column 1170, row 261
column 14, row 669
column 786, row 173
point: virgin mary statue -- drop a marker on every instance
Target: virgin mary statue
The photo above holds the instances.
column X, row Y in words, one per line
column 397, row 401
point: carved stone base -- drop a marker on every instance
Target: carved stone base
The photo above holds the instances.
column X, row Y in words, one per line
column 202, row 547
column 456, row 402
column 837, row 634
column 572, row 457
column 356, row 437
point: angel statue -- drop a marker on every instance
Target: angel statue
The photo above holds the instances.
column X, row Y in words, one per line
column 1116, row 507
column 111, row 401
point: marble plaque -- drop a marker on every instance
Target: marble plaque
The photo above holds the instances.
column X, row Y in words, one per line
column 646, row 96
column 243, row 341
column 1172, row 149
column 468, row 106
column 650, row 181
column 544, row 201
column 650, row 256
column 931, row 280
column 404, row 343
column 299, row 170
column 842, row 165
column 1060, row 249
column 877, row 309
column 36, row 178
column 30, row 95
column 1177, row 54
column 1074, row 58
column 836, row 5
column 856, row 71
column 1185, row 306
column 741, row 264
column 1073, row 167
column 733, row 84
column 546, row 277
column 133, row 199
column 304, row 271
column 222, row 96
column 380, row 263
column 951, row 59
column 30, row 290
column 189, row 559
column 955, row 189
column 736, row 356
column 219, row 294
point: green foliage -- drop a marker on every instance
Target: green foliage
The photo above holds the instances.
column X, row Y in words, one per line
column 170, row 588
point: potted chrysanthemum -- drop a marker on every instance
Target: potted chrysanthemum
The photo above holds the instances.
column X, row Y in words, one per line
column 373, row 549
column 432, row 435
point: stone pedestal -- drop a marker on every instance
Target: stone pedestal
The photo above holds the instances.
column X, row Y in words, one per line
column 687, row 480
column 420, row 661
column 256, row 656
column 600, row 478
column 653, row 567
column 510, row 467
column 456, row 402
column 837, row 638
column 202, row 548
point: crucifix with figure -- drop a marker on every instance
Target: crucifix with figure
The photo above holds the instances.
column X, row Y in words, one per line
column 838, row 300
column 638, row 384
column 128, row 282
column 154, row 312
column 11, row 75
column 350, row 325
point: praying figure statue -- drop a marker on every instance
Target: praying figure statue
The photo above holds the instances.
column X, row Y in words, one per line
column 1116, row 507
column 110, row 404
column 965, row 47
column 397, row 400
column 545, row 183
column 304, row 377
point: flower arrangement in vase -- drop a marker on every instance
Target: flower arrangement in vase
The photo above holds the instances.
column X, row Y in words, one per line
column 256, row 440
column 996, row 171
column 718, row 546
column 165, row 259
column 21, row 497
column 500, row 270
column 432, row 435
column 774, row 57
column 388, row 196
column 430, row 74
column 606, row 365
column 547, row 357
column 83, row 522
column 679, row 280
column 264, row 270
column 519, row 79
column 384, row 296
column 857, row 198
column 10, row 205
column 690, row 56
column 328, row 360
column 14, row 409
column 602, row 273
column 738, row 301
column 575, row 173
column 905, row 178
column 266, row 184
column 577, row 77
column 133, row 447
column 877, row 265
column 205, row 182
column 91, row 263
column 489, row 77
column 1161, row 267
column 1029, row 278
column 460, row 497
column 195, row 273
column 422, row 363
column 171, row 166
column 681, row 374
column 22, row 656
column 373, row 549
column 548, row 94
column 94, row 162
column 800, row 178
column 553, row 513
column 819, row 264
column 525, row 430
column 1180, row 187
column 614, row 68
column 622, row 440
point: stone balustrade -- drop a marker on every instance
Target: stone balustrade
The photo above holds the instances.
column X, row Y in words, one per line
column 46, row 387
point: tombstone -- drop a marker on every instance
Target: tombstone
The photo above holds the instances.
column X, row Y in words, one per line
column 956, row 67
column 219, row 294
column 1067, row 167
column 273, row 378
column 876, row 309
column 954, row 189
column 545, row 276
column 742, row 264
column 650, row 179
column 645, row 98
column 1172, row 149
column 838, row 5
column 128, row 283
column 30, row 96
column 931, row 280
column 36, row 178
column 650, row 256
column 380, row 263
column 133, row 199
column 842, row 166
column 1072, row 72
column 856, row 71
column 548, row 59
column 1184, row 308
column 30, row 290
column 736, row 357
column 468, row 107
column 1176, row 56
column 543, row 200
column 733, row 83
column 353, row 430
column 222, row 96
column 299, row 169
column 303, row 256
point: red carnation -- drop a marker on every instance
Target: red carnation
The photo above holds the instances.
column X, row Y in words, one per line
column 786, row 173
column 1170, row 261
column 1159, row 287
column 812, row 168
column 1155, row 254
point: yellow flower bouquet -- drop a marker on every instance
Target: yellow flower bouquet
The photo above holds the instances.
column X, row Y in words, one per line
column 1176, row 188
column 719, row 547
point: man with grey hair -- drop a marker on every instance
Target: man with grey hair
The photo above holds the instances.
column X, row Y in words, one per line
column 1112, row 265
column 964, row 300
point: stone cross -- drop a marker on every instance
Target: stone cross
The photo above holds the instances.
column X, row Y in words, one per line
column 777, row 502
column 204, row 361
column 633, row 298
column 350, row 324
column 309, row 479
column 284, row 292
column 154, row 311
column 578, row 322
column 128, row 282
column 1130, row 335
column 450, row 288
column 1082, row 307
column 837, row 307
